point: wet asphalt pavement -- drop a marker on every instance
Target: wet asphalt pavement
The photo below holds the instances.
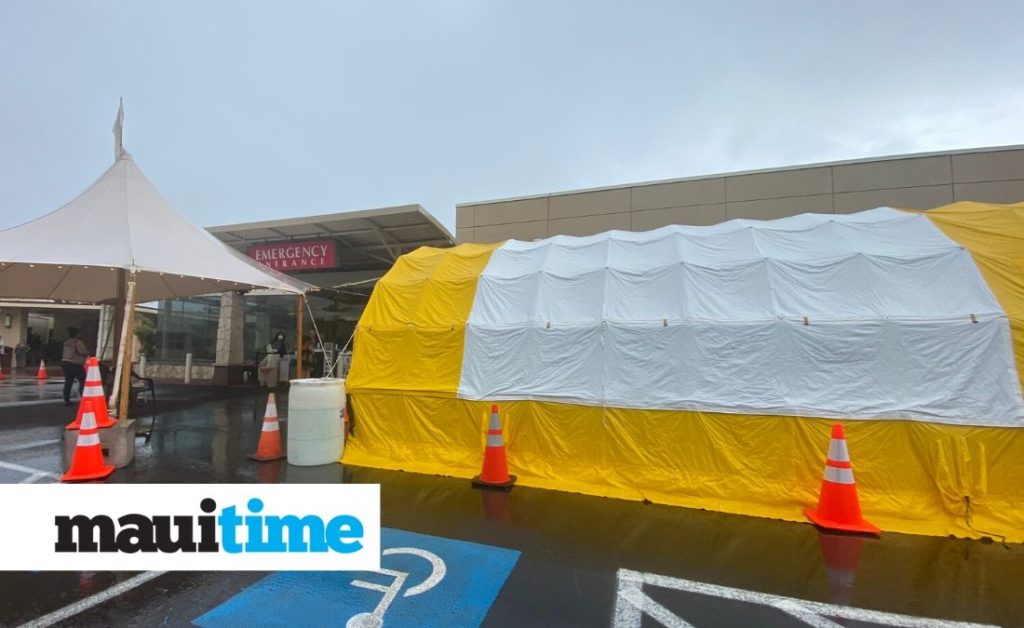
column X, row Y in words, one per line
column 572, row 546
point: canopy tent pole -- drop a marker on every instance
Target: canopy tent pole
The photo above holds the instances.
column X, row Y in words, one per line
column 124, row 360
column 300, row 345
column 122, row 281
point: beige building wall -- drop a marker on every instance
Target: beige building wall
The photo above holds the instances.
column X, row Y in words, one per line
column 919, row 181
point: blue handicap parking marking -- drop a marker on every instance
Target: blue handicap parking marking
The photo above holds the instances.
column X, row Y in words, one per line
column 424, row 581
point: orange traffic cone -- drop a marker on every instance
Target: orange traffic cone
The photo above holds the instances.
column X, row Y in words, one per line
column 41, row 373
column 269, row 447
column 495, row 471
column 87, row 462
column 93, row 399
column 838, row 506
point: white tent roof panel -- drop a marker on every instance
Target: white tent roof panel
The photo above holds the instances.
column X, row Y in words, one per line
column 876, row 314
column 122, row 222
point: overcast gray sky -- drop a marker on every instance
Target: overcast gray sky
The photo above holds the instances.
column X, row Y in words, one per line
column 243, row 111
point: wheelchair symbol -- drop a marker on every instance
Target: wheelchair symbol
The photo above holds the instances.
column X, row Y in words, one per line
column 376, row 618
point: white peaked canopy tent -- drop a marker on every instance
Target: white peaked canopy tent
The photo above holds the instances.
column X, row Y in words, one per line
column 119, row 241
column 122, row 222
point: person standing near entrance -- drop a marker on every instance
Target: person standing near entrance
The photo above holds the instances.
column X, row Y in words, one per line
column 73, row 362
column 279, row 345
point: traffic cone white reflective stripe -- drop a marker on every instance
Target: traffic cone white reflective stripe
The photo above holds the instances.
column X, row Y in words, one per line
column 839, row 476
column 93, row 385
column 838, row 467
column 85, row 440
column 270, row 420
column 93, row 390
column 495, row 438
column 837, row 451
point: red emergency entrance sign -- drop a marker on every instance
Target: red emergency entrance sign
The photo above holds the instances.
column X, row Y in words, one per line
column 306, row 255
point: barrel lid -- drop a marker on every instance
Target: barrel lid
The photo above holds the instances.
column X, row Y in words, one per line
column 318, row 381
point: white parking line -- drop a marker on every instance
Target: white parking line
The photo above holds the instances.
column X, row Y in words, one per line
column 29, row 445
column 31, row 402
column 31, row 471
column 643, row 605
column 631, row 604
column 93, row 600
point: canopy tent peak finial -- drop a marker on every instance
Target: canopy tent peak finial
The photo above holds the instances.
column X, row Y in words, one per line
column 119, row 151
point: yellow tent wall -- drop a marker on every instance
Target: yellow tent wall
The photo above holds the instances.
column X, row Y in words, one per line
column 913, row 476
column 994, row 235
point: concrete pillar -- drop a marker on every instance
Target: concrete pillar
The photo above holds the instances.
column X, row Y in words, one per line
column 18, row 331
column 228, row 367
column 17, row 318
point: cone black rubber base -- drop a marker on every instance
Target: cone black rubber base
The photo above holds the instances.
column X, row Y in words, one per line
column 504, row 486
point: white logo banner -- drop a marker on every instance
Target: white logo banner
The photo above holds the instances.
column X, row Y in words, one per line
column 190, row 527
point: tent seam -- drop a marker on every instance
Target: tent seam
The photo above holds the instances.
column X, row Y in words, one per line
column 60, row 281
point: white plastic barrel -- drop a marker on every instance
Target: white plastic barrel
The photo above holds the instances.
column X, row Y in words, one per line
column 315, row 434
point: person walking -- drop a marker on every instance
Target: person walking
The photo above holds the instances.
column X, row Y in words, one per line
column 73, row 362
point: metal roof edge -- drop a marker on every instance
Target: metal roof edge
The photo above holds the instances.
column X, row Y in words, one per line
column 349, row 215
column 738, row 173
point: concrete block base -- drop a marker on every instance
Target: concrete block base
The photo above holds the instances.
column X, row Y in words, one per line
column 117, row 442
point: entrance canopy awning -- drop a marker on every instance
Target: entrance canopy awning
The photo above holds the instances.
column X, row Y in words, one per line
column 367, row 240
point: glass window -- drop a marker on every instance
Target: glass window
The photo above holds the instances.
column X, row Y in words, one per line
column 188, row 326
column 264, row 317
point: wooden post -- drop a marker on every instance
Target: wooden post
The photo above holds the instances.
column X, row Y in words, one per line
column 299, row 343
column 123, row 382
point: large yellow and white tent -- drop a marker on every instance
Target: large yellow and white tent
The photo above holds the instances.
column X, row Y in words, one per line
column 704, row 366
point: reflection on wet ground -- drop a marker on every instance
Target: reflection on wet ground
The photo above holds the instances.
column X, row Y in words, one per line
column 572, row 545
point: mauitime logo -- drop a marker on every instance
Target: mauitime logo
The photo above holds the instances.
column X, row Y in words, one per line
column 225, row 527
column 269, row 533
